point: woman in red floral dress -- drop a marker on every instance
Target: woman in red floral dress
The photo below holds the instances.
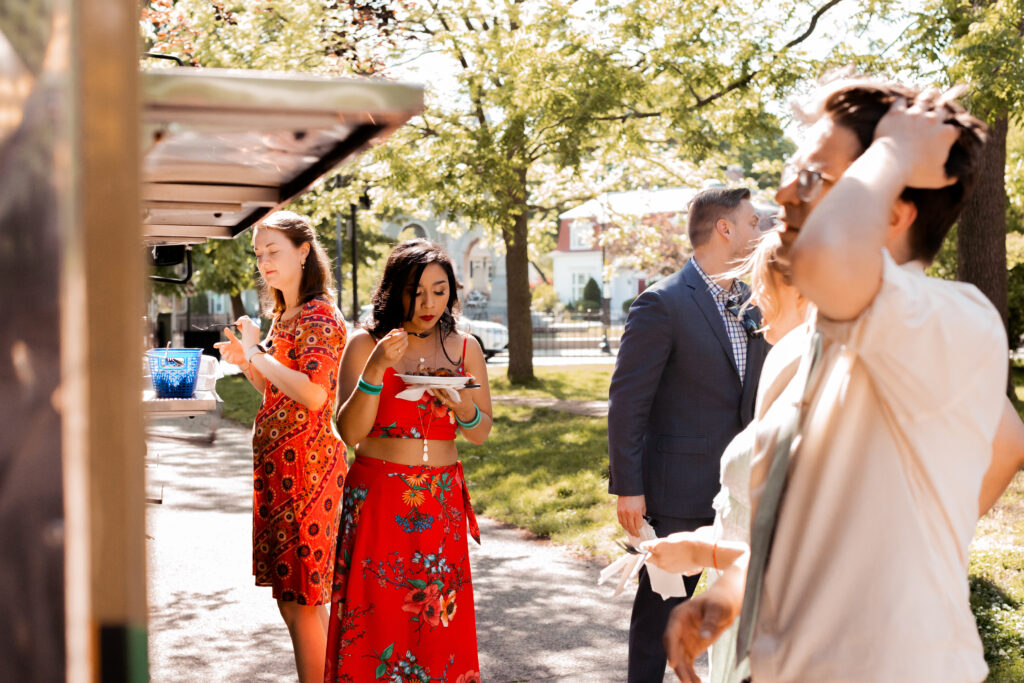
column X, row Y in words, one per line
column 299, row 459
column 402, row 608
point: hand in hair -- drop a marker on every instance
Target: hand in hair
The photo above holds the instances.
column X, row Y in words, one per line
column 921, row 139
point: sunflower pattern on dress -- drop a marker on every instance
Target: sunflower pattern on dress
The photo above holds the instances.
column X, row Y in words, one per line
column 402, row 606
column 299, row 463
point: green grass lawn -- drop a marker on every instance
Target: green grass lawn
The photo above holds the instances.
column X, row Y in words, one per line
column 546, row 471
column 575, row 383
column 241, row 400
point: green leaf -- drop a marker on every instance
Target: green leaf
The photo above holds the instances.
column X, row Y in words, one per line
column 381, row 670
column 387, row 651
column 418, row 583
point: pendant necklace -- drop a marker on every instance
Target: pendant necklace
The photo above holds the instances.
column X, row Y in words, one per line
column 425, row 446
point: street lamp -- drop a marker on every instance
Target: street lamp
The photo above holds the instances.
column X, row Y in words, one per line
column 364, row 202
column 351, row 233
column 606, row 306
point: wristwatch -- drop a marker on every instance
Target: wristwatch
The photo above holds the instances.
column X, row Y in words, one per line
column 253, row 350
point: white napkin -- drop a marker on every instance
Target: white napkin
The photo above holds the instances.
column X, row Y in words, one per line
column 666, row 584
column 414, row 393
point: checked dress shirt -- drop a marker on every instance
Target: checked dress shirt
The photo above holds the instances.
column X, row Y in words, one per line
column 733, row 325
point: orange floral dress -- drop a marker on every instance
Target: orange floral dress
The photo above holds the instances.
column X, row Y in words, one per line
column 299, row 463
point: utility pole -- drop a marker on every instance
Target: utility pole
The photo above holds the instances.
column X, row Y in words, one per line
column 337, row 261
column 355, row 277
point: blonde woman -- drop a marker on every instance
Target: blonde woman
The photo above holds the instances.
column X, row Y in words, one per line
column 783, row 311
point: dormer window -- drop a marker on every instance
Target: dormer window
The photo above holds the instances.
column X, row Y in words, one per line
column 581, row 234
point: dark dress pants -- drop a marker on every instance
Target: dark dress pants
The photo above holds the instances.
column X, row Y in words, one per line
column 650, row 611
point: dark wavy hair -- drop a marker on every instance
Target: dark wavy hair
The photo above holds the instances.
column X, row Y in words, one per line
column 860, row 103
column 405, row 267
column 316, row 273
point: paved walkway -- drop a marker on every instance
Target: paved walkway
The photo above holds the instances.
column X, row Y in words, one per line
column 587, row 408
column 540, row 614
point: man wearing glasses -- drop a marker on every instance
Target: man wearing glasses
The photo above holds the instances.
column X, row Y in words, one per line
column 684, row 385
column 866, row 493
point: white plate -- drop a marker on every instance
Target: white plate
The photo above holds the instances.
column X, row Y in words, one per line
column 430, row 382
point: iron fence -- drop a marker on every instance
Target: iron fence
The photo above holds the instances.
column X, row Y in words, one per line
column 577, row 334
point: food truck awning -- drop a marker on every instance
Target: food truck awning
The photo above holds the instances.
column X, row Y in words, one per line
column 223, row 148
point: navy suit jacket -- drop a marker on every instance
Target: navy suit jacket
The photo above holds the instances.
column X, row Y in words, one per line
column 676, row 400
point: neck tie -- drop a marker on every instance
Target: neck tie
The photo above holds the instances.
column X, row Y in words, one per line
column 762, row 531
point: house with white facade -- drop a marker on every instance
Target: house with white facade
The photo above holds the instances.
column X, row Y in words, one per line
column 579, row 256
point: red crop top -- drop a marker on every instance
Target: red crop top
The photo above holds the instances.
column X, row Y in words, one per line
column 426, row 418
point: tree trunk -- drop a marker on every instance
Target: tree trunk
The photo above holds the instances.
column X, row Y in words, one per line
column 517, row 269
column 981, row 235
column 237, row 308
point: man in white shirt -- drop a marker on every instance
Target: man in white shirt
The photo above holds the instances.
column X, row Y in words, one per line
column 867, row 574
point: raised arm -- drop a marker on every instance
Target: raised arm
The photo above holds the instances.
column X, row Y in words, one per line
column 294, row 384
column 367, row 359
column 232, row 352
column 836, row 260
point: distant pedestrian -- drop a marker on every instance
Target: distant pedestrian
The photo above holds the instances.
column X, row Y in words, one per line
column 299, row 460
column 402, row 607
column 683, row 386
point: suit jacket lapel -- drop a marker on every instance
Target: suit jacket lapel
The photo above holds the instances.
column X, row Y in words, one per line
column 706, row 304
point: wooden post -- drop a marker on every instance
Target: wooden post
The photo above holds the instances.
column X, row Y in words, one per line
column 104, row 290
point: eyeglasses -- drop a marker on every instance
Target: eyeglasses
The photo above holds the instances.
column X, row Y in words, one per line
column 808, row 181
column 750, row 326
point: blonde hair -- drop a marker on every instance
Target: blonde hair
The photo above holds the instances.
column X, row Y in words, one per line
column 765, row 273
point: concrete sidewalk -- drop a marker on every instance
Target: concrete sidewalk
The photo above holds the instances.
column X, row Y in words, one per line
column 540, row 614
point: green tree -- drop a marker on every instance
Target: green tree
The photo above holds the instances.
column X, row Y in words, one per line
column 545, row 86
column 981, row 45
column 335, row 37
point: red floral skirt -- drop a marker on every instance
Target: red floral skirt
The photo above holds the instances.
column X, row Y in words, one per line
column 402, row 601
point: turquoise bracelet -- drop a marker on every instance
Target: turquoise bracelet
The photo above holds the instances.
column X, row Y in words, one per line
column 472, row 423
column 367, row 388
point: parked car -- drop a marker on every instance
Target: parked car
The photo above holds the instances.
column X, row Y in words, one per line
column 542, row 322
column 493, row 337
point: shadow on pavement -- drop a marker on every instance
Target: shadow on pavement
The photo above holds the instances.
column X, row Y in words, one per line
column 540, row 614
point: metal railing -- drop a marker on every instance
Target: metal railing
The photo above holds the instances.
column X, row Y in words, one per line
column 575, row 334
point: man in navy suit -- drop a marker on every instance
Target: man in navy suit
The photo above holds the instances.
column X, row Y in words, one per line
column 684, row 385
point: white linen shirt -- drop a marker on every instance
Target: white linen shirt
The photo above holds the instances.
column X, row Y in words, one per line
column 867, row 578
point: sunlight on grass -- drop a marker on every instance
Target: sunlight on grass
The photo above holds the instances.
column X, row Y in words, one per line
column 550, row 477
column 241, row 400
column 997, row 600
column 577, row 383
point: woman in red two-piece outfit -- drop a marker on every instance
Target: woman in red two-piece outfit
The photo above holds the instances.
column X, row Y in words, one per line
column 402, row 607
column 299, row 459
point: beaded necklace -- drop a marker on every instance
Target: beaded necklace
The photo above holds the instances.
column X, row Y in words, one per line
column 429, row 405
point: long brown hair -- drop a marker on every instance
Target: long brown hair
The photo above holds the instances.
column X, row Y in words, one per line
column 404, row 267
column 316, row 273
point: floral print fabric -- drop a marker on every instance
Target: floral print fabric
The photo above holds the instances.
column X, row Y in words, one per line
column 299, row 463
column 402, row 605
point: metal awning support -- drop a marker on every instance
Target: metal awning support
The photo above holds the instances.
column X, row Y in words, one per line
column 224, row 148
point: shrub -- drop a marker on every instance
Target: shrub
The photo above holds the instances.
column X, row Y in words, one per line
column 544, row 298
column 592, row 291
column 627, row 303
column 588, row 305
